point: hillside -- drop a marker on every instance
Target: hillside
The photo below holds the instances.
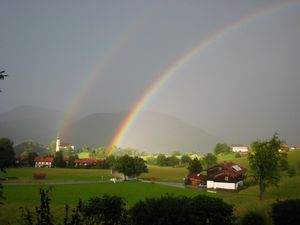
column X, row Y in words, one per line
column 152, row 132
column 30, row 122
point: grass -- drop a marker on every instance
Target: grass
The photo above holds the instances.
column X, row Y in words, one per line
column 57, row 174
column 28, row 196
column 167, row 174
column 83, row 155
column 244, row 200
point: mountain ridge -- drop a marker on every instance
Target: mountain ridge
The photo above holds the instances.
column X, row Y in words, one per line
column 151, row 131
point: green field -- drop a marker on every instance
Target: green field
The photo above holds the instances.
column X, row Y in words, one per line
column 28, row 196
column 17, row 175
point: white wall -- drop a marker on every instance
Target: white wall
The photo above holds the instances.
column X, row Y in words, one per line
column 240, row 149
column 221, row 185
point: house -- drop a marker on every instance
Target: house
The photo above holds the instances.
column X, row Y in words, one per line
column 41, row 161
column 87, row 162
column 284, row 148
column 226, row 175
column 196, row 179
column 243, row 149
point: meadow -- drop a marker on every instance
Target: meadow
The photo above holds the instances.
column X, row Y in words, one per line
column 28, row 195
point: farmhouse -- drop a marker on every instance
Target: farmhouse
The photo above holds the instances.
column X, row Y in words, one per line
column 87, row 162
column 225, row 176
column 240, row 149
column 44, row 161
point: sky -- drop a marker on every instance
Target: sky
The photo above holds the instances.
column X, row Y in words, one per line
column 84, row 57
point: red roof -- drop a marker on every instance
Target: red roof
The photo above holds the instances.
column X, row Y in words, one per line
column 228, row 169
column 44, row 159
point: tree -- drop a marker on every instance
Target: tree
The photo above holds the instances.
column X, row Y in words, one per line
column 286, row 212
column 195, row 166
column 139, row 166
column 2, row 76
column 130, row 166
column 185, row 160
column 59, row 159
column 72, row 159
column 7, row 154
column 105, row 210
column 172, row 161
column 209, row 160
column 30, row 157
column 161, row 160
column 221, row 148
column 181, row 210
column 264, row 163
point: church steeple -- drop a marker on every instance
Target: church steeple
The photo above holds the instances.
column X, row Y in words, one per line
column 57, row 144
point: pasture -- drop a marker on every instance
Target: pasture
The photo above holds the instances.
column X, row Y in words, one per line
column 28, row 195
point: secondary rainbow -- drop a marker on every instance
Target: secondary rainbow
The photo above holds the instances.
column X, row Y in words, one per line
column 167, row 74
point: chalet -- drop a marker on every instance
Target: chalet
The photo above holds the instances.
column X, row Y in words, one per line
column 86, row 162
column 225, row 176
column 240, row 149
column 44, row 161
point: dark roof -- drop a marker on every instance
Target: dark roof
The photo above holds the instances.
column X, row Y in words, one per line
column 227, row 168
column 44, row 159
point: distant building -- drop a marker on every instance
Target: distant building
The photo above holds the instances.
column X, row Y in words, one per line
column 41, row 161
column 240, row 148
column 87, row 162
column 225, row 176
column 60, row 146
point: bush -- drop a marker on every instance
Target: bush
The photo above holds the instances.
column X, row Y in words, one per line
column 291, row 171
column 181, row 210
column 39, row 176
column 237, row 155
column 107, row 210
column 253, row 218
column 286, row 212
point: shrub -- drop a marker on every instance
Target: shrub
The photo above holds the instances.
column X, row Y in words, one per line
column 253, row 218
column 181, row 210
column 237, row 155
column 39, row 176
column 291, row 171
column 286, row 212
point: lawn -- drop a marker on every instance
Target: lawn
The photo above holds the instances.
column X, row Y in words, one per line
column 244, row 200
column 28, row 196
column 167, row 174
column 57, row 174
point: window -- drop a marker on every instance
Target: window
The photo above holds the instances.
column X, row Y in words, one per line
column 226, row 178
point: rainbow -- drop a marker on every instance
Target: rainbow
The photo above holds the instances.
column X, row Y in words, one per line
column 117, row 45
column 92, row 77
column 168, row 73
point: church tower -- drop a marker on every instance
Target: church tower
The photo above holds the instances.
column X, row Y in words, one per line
column 57, row 144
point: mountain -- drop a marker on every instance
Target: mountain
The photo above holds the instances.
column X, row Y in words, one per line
column 152, row 132
column 30, row 122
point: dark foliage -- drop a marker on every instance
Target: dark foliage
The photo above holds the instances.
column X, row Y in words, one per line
column 42, row 214
column 286, row 212
column 253, row 218
column 105, row 210
column 181, row 210
column 7, row 154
